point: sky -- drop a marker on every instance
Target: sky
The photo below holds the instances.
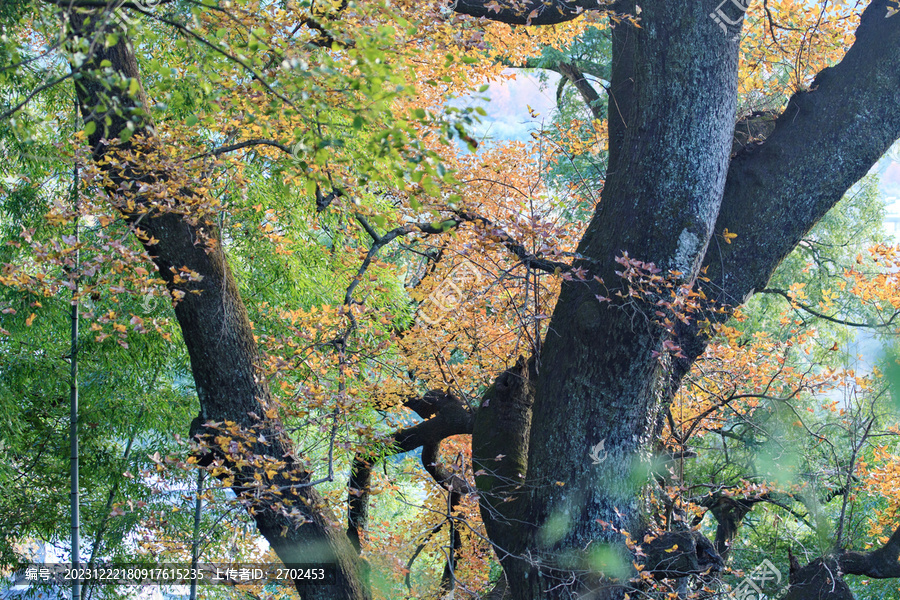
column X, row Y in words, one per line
column 888, row 168
column 507, row 105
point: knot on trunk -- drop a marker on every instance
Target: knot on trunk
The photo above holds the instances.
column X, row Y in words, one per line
column 752, row 130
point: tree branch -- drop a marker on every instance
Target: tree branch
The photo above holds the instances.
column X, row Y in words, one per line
column 883, row 563
column 382, row 241
column 530, row 260
column 815, row 313
column 528, row 12
column 776, row 191
column 8, row 113
column 595, row 70
column 588, row 93
column 241, row 145
column 456, row 487
column 823, row 143
column 445, row 416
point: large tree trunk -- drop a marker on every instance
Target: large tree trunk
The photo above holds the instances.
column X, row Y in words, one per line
column 224, row 358
column 672, row 102
column 600, row 375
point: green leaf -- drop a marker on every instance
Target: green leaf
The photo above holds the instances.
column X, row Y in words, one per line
column 90, row 127
column 191, row 120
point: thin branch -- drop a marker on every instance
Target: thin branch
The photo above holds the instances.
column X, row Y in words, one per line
column 372, row 233
column 529, row 12
column 34, row 93
column 820, row 315
column 382, row 241
column 245, row 144
column 216, row 48
column 445, row 416
column 528, row 259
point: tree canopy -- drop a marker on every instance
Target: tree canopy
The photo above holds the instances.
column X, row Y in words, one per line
column 318, row 309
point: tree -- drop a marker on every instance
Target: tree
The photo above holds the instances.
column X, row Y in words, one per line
column 671, row 185
column 616, row 348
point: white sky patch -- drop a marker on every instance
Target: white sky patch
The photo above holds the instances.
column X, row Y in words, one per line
column 507, row 102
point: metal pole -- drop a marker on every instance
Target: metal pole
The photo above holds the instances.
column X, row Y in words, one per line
column 73, row 405
column 195, row 542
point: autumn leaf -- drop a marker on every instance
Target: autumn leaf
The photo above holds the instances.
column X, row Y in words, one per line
column 728, row 236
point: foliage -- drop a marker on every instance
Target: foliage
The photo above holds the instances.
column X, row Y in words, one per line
column 382, row 252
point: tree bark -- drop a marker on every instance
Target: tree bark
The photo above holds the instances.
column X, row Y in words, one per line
column 823, row 578
column 215, row 326
column 499, row 459
column 598, row 378
column 671, row 120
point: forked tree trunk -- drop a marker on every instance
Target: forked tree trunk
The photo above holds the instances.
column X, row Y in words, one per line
column 603, row 375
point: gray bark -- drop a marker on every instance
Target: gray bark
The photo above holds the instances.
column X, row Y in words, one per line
column 598, row 378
